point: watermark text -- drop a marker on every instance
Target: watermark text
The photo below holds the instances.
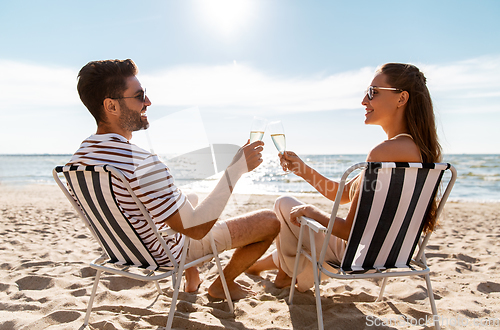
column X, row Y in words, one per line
column 458, row 321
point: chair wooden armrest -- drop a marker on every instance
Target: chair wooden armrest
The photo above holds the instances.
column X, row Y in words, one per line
column 313, row 224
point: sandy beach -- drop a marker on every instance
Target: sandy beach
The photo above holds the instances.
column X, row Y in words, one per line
column 45, row 281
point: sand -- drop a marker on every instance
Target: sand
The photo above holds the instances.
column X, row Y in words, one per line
column 45, row 280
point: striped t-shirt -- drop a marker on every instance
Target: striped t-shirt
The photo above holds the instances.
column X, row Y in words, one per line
column 149, row 178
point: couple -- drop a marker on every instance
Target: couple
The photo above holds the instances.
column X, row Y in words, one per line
column 397, row 100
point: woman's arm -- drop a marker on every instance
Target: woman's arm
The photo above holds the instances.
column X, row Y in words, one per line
column 326, row 187
column 341, row 227
column 402, row 149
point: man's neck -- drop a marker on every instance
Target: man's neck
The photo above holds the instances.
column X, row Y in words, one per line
column 106, row 129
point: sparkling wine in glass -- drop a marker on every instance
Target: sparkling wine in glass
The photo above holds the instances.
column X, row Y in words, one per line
column 278, row 135
column 258, row 129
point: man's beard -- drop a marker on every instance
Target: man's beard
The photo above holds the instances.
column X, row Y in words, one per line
column 132, row 120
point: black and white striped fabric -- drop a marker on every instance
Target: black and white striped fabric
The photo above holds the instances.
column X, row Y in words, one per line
column 92, row 188
column 394, row 200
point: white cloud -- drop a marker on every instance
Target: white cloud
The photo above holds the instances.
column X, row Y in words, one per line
column 476, row 75
column 470, row 86
column 237, row 85
column 36, row 85
column 244, row 87
column 460, row 91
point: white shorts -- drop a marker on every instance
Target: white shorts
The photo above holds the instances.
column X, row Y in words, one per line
column 202, row 247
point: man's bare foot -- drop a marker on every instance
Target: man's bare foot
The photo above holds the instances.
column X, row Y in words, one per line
column 193, row 280
column 236, row 290
column 282, row 280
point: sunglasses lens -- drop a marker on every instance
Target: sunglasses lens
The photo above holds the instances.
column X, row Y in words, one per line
column 370, row 92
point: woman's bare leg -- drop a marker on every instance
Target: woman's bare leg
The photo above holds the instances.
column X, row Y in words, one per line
column 282, row 280
column 261, row 265
column 193, row 281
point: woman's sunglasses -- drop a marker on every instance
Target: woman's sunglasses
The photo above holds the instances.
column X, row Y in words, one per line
column 370, row 90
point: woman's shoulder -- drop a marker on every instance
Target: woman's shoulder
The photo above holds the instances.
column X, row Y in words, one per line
column 399, row 150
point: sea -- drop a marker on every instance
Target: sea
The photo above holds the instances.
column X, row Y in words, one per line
column 478, row 175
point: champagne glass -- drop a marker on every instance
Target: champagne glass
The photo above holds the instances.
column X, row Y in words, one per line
column 258, row 129
column 278, row 136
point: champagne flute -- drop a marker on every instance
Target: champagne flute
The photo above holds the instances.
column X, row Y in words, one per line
column 278, row 136
column 258, row 129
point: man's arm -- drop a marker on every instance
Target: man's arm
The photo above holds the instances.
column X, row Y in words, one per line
column 197, row 222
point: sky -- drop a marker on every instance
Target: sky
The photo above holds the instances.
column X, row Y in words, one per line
column 210, row 66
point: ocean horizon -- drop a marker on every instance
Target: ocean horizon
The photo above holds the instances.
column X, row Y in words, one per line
column 478, row 174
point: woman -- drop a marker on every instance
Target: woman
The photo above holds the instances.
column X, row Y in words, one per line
column 397, row 100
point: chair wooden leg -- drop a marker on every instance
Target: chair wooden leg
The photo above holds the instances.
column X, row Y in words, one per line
column 171, row 312
column 296, row 266
column 382, row 288
column 174, row 279
column 92, row 295
column 158, row 287
column 433, row 303
column 317, row 280
column 221, row 273
column 176, row 286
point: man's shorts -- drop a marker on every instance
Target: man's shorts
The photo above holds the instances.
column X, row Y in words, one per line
column 201, row 248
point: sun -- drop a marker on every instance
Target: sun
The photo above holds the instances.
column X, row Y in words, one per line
column 227, row 17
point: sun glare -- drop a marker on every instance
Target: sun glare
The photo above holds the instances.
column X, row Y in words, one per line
column 226, row 16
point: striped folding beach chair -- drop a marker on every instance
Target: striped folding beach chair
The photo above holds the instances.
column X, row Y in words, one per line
column 125, row 253
column 393, row 202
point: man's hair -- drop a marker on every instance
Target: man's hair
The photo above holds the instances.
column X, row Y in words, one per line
column 98, row 80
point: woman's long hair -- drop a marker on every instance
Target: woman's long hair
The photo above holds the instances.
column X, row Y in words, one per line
column 419, row 116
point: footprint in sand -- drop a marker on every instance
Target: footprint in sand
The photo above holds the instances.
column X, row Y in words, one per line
column 35, row 283
column 488, row 287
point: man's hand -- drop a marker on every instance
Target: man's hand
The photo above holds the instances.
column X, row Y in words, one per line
column 197, row 222
column 248, row 158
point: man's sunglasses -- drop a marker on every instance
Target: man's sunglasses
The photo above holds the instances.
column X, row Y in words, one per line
column 370, row 89
column 141, row 97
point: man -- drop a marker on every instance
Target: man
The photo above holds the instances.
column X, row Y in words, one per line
column 114, row 96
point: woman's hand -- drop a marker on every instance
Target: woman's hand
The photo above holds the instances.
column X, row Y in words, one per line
column 306, row 210
column 290, row 161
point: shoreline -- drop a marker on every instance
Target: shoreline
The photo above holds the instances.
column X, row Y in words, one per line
column 49, row 185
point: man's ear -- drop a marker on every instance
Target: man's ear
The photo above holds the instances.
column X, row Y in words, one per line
column 403, row 98
column 110, row 107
